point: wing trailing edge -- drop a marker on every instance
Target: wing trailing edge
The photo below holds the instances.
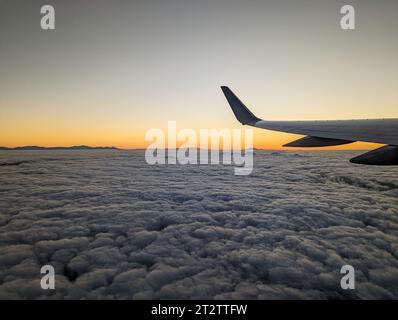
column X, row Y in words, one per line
column 310, row 142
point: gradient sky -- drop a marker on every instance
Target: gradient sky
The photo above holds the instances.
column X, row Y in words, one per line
column 113, row 69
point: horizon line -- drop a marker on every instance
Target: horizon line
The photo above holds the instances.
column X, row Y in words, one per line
column 87, row 147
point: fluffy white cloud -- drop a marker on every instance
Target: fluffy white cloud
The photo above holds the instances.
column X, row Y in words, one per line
column 115, row 228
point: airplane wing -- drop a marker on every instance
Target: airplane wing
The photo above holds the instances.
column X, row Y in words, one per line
column 330, row 132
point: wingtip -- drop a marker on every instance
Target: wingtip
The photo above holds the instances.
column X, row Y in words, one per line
column 242, row 113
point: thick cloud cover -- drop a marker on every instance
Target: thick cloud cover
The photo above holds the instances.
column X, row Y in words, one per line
column 114, row 227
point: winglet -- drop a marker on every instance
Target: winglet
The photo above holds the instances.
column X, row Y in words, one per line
column 242, row 113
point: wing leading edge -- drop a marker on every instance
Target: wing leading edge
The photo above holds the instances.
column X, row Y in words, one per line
column 329, row 133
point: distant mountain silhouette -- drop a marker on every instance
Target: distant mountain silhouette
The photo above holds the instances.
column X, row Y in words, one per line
column 59, row 148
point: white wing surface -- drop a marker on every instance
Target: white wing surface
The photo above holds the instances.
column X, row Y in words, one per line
column 330, row 132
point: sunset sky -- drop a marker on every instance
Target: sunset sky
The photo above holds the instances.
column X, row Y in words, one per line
column 111, row 70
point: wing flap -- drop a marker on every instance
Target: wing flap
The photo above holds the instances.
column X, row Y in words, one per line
column 384, row 156
column 308, row 142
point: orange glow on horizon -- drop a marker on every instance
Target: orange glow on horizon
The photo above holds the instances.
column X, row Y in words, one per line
column 129, row 133
column 135, row 138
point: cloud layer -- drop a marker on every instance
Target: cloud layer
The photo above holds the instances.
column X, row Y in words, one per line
column 115, row 228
